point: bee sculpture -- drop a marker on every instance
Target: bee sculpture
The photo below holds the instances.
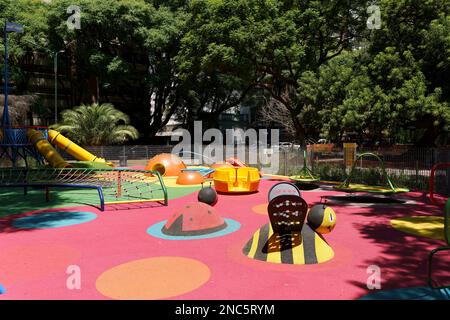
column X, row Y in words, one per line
column 287, row 238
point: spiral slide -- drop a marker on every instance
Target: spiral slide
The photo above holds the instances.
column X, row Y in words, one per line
column 45, row 148
column 73, row 149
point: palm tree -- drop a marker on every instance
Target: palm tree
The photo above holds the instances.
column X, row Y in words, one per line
column 96, row 125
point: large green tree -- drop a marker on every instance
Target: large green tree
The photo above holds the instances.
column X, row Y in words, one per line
column 315, row 62
column 268, row 44
column 32, row 15
column 394, row 88
column 122, row 53
column 110, row 55
column 417, row 32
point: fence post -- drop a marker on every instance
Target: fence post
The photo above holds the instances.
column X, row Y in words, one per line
column 119, row 184
column 434, row 159
column 123, row 159
column 285, row 162
column 417, row 175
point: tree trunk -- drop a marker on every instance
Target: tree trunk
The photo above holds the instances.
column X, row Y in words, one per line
column 93, row 88
column 431, row 131
column 299, row 129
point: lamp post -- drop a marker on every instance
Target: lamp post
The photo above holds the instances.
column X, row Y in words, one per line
column 54, row 54
column 5, row 117
column 55, row 68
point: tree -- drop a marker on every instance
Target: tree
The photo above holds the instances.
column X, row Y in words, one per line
column 269, row 44
column 168, row 94
column 96, row 125
column 123, row 53
column 418, row 33
column 22, row 47
column 377, row 99
column 388, row 89
column 321, row 70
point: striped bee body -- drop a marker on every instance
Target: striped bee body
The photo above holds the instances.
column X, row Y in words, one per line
column 287, row 239
column 305, row 247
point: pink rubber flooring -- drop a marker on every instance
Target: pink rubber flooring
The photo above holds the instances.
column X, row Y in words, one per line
column 33, row 263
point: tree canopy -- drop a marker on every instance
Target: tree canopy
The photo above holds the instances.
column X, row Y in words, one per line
column 394, row 88
column 316, row 63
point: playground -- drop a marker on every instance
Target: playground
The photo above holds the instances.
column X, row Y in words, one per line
column 170, row 231
column 329, row 223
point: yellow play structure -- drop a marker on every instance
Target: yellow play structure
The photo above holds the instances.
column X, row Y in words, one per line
column 236, row 180
column 55, row 160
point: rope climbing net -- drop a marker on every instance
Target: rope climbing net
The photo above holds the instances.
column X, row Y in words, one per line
column 118, row 185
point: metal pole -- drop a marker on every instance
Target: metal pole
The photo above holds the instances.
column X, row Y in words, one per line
column 417, row 174
column 55, row 68
column 5, row 119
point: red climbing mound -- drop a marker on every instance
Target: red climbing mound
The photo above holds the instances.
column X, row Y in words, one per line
column 194, row 219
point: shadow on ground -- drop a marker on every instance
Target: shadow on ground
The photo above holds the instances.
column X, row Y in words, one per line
column 403, row 262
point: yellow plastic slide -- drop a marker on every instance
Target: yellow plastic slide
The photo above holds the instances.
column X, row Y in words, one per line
column 73, row 149
column 44, row 147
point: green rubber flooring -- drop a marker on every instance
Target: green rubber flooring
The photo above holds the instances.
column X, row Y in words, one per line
column 13, row 201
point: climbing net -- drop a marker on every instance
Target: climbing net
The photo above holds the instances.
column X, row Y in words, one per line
column 119, row 185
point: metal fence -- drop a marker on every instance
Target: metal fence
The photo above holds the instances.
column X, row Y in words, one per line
column 409, row 166
column 126, row 155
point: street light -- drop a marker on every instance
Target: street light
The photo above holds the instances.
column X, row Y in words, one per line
column 55, row 68
column 54, row 54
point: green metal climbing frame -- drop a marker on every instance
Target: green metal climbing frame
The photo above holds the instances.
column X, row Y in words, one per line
column 306, row 175
column 431, row 282
column 347, row 186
